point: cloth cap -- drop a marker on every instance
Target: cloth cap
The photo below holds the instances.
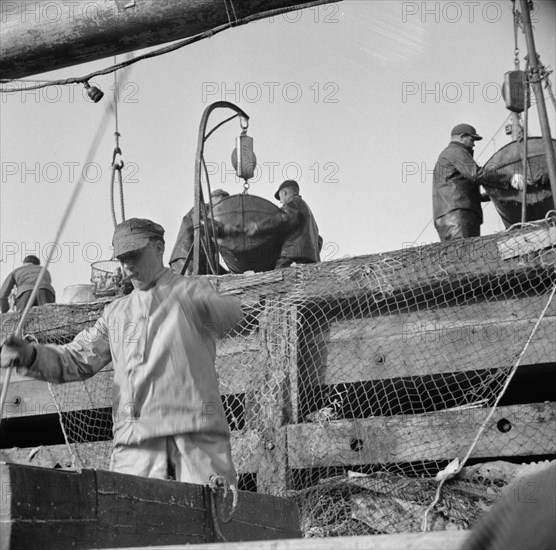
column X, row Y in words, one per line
column 466, row 129
column 220, row 193
column 283, row 185
column 134, row 234
column 31, row 260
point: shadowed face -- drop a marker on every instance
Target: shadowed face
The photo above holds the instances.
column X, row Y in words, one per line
column 286, row 194
column 141, row 266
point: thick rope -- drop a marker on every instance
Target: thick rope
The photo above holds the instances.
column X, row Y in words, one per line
column 215, row 484
column 73, row 199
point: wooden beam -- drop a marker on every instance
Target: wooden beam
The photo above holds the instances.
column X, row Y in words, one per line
column 272, row 409
column 246, row 453
column 379, row 440
column 96, row 508
column 436, row 436
column 40, row 36
column 438, row 341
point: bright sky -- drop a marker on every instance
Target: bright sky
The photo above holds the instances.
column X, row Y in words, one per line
column 355, row 100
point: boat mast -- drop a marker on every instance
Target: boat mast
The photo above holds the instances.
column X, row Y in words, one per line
column 535, row 70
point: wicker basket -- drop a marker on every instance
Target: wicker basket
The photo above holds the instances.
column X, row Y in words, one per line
column 106, row 277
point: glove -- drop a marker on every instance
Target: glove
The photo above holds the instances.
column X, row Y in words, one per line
column 518, row 182
column 251, row 228
column 16, row 352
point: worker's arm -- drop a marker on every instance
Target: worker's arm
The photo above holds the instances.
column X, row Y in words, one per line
column 217, row 314
column 287, row 220
column 9, row 283
column 86, row 355
column 467, row 167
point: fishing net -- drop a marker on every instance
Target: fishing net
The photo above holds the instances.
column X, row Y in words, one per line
column 353, row 385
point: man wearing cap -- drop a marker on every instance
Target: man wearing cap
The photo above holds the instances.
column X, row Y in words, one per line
column 456, row 196
column 295, row 223
column 184, row 242
column 23, row 279
column 161, row 340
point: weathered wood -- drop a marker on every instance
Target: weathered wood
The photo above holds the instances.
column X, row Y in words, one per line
column 519, row 245
column 29, row 397
column 41, row 36
column 443, row 540
column 402, row 438
column 272, row 406
column 436, row 341
column 237, row 359
column 245, row 453
column 53, row 509
column 434, row 436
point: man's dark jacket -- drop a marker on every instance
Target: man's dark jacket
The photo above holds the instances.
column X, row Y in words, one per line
column 296, row 223
column 456, row 180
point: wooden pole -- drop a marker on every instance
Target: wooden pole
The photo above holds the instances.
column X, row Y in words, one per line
column 537, row 87
column 40, row 36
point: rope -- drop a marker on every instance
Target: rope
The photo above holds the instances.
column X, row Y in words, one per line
column 215, row 484
column 490, row 414
column 73, row 199
column 525, row 160
column 116, row 167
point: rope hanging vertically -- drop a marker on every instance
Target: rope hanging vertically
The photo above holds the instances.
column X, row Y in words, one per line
column 73, row 199
column 116, row 167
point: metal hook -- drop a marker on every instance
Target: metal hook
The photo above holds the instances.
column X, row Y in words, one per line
column 117, row 165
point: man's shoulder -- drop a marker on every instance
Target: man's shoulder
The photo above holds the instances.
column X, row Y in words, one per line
column 297, row 201
column 454, row 150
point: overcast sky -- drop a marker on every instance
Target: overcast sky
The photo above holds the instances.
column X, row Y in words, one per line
column 355, row 100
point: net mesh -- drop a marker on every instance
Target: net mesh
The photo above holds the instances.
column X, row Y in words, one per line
column 352, row 385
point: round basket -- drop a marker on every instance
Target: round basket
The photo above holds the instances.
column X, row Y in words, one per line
column 106, row 277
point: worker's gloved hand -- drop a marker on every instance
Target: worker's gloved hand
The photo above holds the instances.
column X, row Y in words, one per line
column 518, row 182
column 16, row 352
column 251, row 228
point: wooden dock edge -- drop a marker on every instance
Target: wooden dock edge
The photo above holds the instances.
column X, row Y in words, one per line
column 438, row 540
column 55, row 509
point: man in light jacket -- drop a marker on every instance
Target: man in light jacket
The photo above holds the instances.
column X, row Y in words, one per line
column 161, row 339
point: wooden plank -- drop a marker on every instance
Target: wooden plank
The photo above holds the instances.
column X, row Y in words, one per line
column 136, row 510
column 268, row 518
column 438, row 340
column 56, row 509
column 435, row 349
column 435, row 436
column 272, row 405
column 55, row 456
column 245, row 453
column 64, row 499
column 443, row 540
column 236, row 361
column 521, row 245
column 30, row 397
column 293, row 363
